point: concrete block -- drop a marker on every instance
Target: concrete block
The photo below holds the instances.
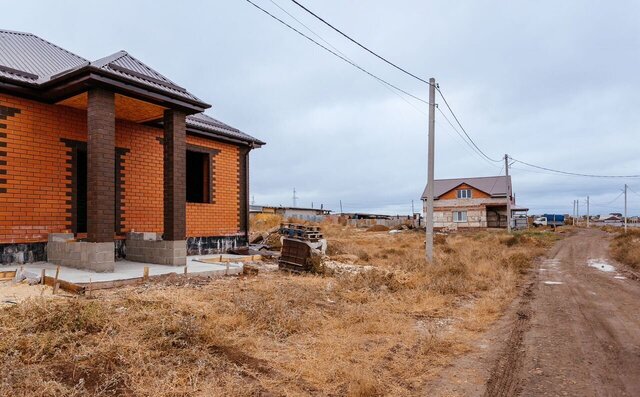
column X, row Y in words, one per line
column 60, row 237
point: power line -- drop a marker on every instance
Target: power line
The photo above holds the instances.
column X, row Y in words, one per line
column 360, row 45
column 610, row 202
column 337, row 55
column 574, row 173
column 344, row 55
column 402, row 70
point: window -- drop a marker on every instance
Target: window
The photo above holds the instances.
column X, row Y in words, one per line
column 464, row 193
column 459, row 216
column 198, row 177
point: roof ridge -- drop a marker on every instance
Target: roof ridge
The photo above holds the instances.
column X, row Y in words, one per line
column 100, row 62
column 150, row 69
column 17, row 32
column 472, row 177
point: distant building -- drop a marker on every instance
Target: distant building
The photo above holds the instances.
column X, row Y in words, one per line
column 305, row 214
column 473, row 203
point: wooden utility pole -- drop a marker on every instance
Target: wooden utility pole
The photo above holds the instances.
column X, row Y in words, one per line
column 578, row 212
column 430, row 165
column 588, row 216
column 506, row 173
column 625, row 208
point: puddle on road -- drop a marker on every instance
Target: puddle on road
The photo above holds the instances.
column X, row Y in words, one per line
column 601, row 265
column 553, row 282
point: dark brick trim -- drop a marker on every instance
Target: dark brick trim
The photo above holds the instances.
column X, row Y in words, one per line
column 72, row 183
column 5, row 112
column 101, row 136
column 243, row 189
column 72, row 180
column 120, row 168
column 212, row 168
column 174, row 178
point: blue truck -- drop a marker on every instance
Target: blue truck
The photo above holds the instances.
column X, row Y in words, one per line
column 549, row 220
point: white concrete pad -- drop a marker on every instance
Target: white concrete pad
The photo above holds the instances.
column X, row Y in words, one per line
column 126, row 270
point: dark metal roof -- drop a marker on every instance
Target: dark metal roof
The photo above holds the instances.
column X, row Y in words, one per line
column 495, row 186
column 205, row 122
column 125, row 65
column 27, row 58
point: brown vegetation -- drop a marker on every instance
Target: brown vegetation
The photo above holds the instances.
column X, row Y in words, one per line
column 625, row 248
column 385, row 331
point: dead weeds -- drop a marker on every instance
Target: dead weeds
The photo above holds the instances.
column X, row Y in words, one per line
column 384, row 331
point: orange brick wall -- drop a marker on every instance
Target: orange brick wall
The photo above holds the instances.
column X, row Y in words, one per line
column 36, row 199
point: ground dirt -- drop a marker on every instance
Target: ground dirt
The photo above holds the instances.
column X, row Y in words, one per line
column 573, row 331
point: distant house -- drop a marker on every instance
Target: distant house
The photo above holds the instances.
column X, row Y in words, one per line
column 612, row 218
column 305, row 214
column 472, row 202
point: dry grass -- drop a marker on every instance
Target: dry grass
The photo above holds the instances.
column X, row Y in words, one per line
column 382, row 332
column 264, row 222
column 625, row 248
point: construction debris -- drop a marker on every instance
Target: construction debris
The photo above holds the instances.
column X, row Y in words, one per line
column 302, row 247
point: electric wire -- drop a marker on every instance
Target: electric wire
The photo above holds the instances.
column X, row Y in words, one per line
column 573, row 173
column 360, row 45
column 340, row 55
column 337, row 55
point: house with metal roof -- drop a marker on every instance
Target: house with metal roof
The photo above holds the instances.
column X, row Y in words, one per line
column 115, row 157
column 472, row 202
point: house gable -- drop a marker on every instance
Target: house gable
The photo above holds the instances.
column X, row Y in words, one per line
column 453, row 193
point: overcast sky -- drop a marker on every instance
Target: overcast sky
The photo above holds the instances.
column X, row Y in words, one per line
column 551, row 83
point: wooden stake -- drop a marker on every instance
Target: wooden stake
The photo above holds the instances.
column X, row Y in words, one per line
column 56, row 285
column 42, row 276
column 90, row 287
column 185, row 269
column 145, row 274
column 226, row 272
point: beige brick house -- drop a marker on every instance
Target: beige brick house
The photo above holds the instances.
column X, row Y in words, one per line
column 470, row 202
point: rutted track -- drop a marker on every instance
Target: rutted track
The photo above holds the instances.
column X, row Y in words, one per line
column 579, row 333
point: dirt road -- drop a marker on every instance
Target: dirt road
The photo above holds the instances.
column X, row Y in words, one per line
column 574, row 331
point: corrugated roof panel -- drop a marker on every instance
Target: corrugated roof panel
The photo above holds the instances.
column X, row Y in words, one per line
column 31, row 54
column 208, row 123
column 125, row 65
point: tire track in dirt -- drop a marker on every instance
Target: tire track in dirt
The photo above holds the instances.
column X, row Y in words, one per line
column 505, row 375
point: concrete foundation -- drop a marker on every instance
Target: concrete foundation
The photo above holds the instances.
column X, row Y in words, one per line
column 149, row 248
column 64, row 250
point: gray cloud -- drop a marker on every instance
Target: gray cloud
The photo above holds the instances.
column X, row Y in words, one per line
column 551, row 83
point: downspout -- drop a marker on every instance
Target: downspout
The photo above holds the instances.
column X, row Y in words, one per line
column 246, row 189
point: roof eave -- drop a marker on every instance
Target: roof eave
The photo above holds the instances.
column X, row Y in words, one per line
column 80, row 79
column 254, row 144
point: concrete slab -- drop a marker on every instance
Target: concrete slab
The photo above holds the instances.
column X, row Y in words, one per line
column 125, row 270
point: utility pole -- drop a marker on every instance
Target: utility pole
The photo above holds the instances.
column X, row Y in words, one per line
column 413, row 214
column 430, row 165
column 578, row 212
column 340, row 207
column 625, row 208
column 295, row 198
column 588, row 216
column 506, row 173
column 574, row 213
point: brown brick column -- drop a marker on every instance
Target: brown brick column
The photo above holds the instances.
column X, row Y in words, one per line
column 101, row 134
column 175, row 195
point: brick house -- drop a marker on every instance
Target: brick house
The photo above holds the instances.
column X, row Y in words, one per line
column 471, row 202
column 93, row 151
